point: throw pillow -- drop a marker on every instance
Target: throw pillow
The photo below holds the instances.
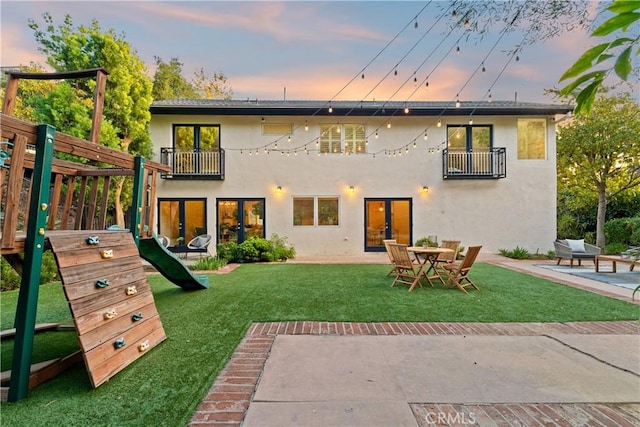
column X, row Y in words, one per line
column 576, row 245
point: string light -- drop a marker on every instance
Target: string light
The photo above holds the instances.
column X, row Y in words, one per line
column 388, row 125
column 457, row 101
column 306, row 126
column 425, row 135
column 406, row 109
column 439, row 123
column 330, row 109
column 470, row 121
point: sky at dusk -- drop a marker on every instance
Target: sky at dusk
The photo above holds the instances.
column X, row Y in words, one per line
column 316, row 50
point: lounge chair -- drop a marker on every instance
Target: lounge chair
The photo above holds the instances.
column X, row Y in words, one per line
column 198, row 244
column 575, row 249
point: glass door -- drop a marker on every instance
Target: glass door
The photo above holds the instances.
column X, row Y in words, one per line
column 240, row 219
column 181, row 220
column 387, row 219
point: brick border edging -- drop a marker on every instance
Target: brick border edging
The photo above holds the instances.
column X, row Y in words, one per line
column 227, row 401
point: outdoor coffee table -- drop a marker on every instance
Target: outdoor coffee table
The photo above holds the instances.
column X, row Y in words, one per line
column 615, row 259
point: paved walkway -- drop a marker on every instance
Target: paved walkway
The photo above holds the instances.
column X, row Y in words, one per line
column 423, row 374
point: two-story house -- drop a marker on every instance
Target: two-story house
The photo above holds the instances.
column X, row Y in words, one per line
column 339, row 177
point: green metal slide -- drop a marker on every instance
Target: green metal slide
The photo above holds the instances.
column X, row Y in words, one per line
column 170, row 266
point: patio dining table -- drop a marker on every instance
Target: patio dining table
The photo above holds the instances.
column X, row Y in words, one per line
column 426, row 258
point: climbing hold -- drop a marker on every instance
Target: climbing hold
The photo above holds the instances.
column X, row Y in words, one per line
column 93, row 240
column 144, row 346
column 136, row 317
column 106, row 253
column 102, row 283
column 110, row 314
column 131, row 290
column 119, row 343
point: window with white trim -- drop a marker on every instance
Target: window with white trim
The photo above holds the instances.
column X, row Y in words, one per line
column 339, row 138
column 532, row 139
column 315, row 211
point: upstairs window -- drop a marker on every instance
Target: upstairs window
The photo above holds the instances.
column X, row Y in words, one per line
column 196, row 137
column 343, row 138
column 532, row 139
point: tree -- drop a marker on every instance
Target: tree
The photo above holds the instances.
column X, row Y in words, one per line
column 599, row 153
column 29, row 91
column 169, row 83
column 128, row 91
column 587, row 82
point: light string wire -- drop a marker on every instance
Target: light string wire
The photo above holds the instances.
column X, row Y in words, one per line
column 328, row 103
column 382, row 107
column 424, row 132
column 392, row 69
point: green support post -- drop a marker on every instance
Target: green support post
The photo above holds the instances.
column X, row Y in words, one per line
column 25, row 321
column 136, row 203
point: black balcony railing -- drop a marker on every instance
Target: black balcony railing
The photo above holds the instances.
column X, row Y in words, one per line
column 195, row 164
column 479, row 164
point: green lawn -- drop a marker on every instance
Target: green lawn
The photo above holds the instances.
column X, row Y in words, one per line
column 203, row 328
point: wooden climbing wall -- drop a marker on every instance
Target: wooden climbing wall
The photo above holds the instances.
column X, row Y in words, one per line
column 110, row 299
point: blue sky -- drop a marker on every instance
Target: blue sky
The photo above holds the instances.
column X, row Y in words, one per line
column 313, row 49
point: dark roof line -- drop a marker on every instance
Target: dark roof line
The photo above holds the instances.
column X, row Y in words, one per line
column 353, row 108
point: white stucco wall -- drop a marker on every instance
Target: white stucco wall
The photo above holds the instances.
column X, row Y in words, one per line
column 519, row 210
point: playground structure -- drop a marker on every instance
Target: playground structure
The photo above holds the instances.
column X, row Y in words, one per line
column 50, row 203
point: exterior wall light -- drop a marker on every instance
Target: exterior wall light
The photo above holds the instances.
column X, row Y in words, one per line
column 425, row 189
column 352, row 189
column 278, row 189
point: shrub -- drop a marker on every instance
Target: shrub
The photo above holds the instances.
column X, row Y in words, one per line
column 281, row 248
column 10, row 279
column 228, row 251
column 257, row 249
column 517, row 253
column 209, row 263
column 425, row 240
column 615, row 248
column 618, row 230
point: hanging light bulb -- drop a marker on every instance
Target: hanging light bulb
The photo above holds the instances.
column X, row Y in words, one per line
column 490, row 98
column 306, row 125
column 457, row 102
column 376, row 135
column 406, row 109
column 338, row 127
column 289, row 138
column 414, row 143
column 426, row 84
column 240, row 151
column 439, row 123
column 454, row 13
column 457, row 49
column 470, row 121
column 484, row 70
column 466, row 23
column 330, row 109
column 362, row 75
column 275, row 146
column 395, row 72
column 425, row 135
column 517, row 58
column 415, row 25
column 388, row 125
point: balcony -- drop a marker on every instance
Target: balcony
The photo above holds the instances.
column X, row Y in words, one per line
column 194, row 164
column 485, row 164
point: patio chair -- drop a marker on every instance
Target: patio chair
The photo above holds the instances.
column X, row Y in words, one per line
column 448, row 258
column 406, row 271
column 575, row 249
column 458, row 273
column 164, row 240
column 198, row 244
column 386, row 247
